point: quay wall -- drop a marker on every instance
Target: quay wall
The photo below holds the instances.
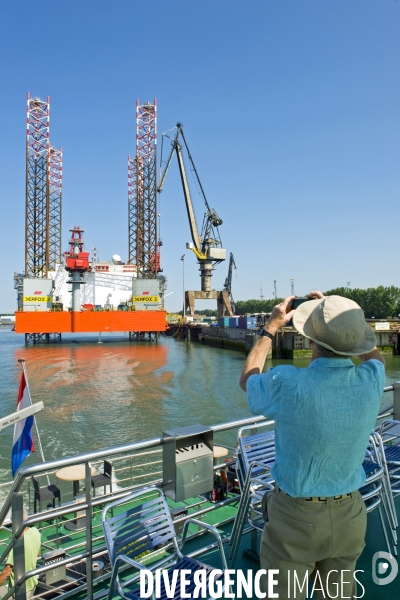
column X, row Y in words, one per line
column 288, row 343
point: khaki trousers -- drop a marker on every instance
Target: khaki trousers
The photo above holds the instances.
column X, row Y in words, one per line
column 301, row 538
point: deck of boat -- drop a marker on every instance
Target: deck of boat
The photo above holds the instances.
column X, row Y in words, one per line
column 56, row 536
column 138, row 465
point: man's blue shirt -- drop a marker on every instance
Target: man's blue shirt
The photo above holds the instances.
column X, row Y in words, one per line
column 323, row 416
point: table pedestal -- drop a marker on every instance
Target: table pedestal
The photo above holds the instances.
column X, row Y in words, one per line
column 76, row 524
column 80, row 521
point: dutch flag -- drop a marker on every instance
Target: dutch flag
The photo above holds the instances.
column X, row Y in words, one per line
column 23, row 440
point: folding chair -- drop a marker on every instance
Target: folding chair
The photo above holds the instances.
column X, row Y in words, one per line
column 145, row 529
column 381, row 453
column 390, row 433
column 256, row 455
column 257, row 447
column 376, row 491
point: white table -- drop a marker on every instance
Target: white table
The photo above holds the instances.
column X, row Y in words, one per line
column 75, row 473
column 219, row 452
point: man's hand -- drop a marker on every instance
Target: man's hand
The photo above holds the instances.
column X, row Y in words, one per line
column 315, row 295
column 281, row 314
column 5, row 574
column 373, row 354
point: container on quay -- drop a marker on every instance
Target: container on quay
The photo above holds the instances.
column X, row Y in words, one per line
column 223, row 322
column 247, row 322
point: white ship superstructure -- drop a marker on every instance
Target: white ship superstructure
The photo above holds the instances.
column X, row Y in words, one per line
column 109, row 283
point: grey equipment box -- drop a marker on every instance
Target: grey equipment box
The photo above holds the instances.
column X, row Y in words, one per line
column 58, row 572
column 188, row 462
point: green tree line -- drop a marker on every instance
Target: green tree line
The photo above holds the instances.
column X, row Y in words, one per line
column 379, row 303
column 255, row 306
column 245, row 306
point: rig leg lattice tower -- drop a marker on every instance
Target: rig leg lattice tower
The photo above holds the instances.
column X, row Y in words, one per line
column 37, row 188
column 142, row 194
column 132, row 209
column 43, row 202
column 55, row 200
column 142, row 199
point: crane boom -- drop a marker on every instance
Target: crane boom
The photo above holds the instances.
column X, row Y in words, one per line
column 207, row 246
column 176, row 148
column 179, row 125
column 189, row 206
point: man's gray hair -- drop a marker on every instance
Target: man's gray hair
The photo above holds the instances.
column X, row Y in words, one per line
column 325, row 353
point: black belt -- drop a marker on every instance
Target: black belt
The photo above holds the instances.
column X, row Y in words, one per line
column 316, row 498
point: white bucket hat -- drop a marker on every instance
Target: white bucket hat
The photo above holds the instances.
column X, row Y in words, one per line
column 336, row 323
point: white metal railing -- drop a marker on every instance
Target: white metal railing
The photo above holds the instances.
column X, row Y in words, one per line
column 132, row 467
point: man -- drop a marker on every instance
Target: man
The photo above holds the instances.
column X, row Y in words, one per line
column 315, row 517
column 32, row 551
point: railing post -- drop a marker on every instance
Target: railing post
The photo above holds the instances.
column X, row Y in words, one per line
column 89, row 566
column 17, row 506
column 396, row 400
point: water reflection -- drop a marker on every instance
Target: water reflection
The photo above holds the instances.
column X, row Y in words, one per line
column 76, row 378
column 95, row 395
column 99, row 395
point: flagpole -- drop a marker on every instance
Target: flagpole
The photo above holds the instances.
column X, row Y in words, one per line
column 22, row 361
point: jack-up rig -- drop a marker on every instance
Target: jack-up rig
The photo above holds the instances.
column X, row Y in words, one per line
column 207, row 246
column 46, row 308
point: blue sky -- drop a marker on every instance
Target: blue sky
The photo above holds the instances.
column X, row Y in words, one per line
column 290, row 108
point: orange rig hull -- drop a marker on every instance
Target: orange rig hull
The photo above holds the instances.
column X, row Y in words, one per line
column 89, row 321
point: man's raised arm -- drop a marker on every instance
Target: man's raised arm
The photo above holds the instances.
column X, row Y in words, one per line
column 256, row 359
column 373, row 354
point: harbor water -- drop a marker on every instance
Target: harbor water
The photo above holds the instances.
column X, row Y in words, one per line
column 101, row 395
